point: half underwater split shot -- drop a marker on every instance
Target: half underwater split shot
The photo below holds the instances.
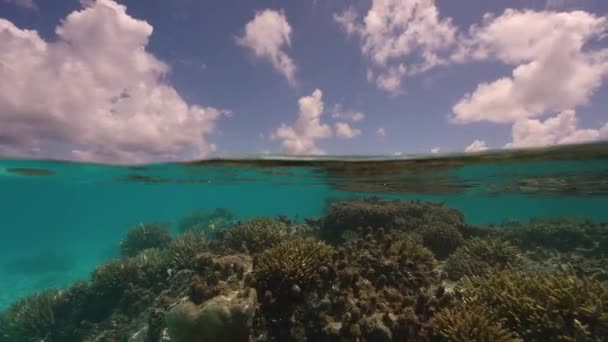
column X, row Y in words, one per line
column 496, row 246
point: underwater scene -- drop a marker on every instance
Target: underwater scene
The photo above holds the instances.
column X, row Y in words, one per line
column 496, row 246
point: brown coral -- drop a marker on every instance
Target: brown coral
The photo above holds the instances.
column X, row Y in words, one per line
column 255, row 235
column 478, row 256
column 291, row 267
column 376, row 213
column 543, row 307
column 471, row 323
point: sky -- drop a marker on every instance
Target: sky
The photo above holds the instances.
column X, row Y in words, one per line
column 132, row 81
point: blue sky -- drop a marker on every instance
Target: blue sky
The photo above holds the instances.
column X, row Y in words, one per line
column 199, row 88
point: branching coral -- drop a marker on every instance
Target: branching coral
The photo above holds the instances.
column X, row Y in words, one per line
column 185, row 247
column 561, row 234
column 441, row 238
column 144, row 236
column 291, row 267
column 255, row 235
column 30, row 319
column 377, row 213
column 544, row 307
column 413, row 258
column 471, row 323
column 478, row 256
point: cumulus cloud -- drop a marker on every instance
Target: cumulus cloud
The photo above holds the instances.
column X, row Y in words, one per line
column 394, row 30
column 555, row 70
column 381, row 132
column 476, row 146
column 28, row 4
column 344, row 130
column 560, row 129
column 267, row 35
column 95, row 87
column 301, row 137
column 338, row 113
column 435, row 150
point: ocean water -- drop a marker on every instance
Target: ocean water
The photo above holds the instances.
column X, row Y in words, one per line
column 59, row 220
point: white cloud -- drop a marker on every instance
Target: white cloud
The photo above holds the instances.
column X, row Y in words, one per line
column 395, row 30
column 476, row 146
column 302, row 136
column 28, row 4
column 390, row 79
column 560, row 129
column 338, row 113
column 381, row 132
column 267, row 35
column 435, row 150
column 344, row 130
column 555, row 69
column 95, row 87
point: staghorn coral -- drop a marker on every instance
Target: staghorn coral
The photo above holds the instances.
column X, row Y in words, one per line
column 206, row 221
column 398, row 260
column 470, row 323
column 291, row 267
column 255, row 235
column 542, row 307
column 30, row 319
column 477, row 256
column 152, row 265
column 561, row 234
column 441, row 238
column 376, row 213
column 144, row 236
column 183, row 249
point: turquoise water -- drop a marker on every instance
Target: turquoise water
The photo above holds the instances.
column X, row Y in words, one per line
column 59, row 220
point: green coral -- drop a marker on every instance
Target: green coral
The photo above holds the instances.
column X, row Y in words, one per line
column 30, row 319
column 471, row 323
column 144, row 236
column 185, row 247
column 478, row 256
column 441, row 238
column 542, row 307
column 291, row 267
column 256, row 235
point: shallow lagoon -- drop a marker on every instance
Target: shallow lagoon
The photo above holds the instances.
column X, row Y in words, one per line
column 61, row 220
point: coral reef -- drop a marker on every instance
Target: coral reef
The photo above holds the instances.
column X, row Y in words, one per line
column 30, row 319
column 471, row 323
column 255, row 235
column 222, row 318
column 542, row 307
column 441, row 238
column 561, row 234
column 290, row 268
column 478, row 256
column 383, row 271
column 144, row 236
column 377, row 213
column 207, row 221
column 184, row 248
